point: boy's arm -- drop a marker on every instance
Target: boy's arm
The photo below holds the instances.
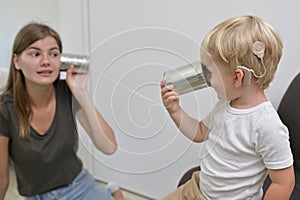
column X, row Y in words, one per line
column 190, row 127
column 283, row 181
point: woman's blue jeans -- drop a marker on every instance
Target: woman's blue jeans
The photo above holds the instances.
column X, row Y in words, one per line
column 84, row 187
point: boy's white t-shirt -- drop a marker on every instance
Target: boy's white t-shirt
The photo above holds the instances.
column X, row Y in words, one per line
column 242, row 144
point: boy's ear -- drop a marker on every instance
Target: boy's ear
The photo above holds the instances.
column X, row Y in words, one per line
column 239, row 76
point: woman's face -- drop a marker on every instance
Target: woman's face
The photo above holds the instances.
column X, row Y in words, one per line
column 40, row 62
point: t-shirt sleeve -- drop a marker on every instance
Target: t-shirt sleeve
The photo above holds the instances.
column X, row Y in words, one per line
column 272, row 142
column 4, row 129
column 75, row 105
column 207, row 119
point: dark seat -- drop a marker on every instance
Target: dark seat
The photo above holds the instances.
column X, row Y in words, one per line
column 188, row 175
column 289, row 112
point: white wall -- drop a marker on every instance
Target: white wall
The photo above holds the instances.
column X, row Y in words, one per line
column 16, row 13
column 131, row 44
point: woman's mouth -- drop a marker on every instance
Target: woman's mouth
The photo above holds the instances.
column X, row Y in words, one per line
column 45, row 72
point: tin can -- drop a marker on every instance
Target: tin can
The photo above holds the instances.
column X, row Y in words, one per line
column 79, row 61
column 185, row 79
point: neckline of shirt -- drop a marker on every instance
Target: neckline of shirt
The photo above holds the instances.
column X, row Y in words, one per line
column 246, row 110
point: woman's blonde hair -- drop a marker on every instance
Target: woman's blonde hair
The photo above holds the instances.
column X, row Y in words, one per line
column 231, row 42
column 15, row 86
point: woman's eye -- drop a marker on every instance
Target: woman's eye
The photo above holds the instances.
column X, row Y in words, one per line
column 54, row 54
column 34, row 54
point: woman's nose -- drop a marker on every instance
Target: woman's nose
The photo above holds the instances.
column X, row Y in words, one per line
column 45, row 60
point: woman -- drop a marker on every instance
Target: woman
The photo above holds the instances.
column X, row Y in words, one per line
column 37, row 122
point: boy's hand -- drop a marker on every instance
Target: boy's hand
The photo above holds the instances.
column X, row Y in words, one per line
column 170, row 97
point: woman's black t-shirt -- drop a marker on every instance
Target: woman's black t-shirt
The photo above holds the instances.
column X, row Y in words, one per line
column 49, row 161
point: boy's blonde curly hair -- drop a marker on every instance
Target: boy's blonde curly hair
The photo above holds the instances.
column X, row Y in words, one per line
column 231, row 42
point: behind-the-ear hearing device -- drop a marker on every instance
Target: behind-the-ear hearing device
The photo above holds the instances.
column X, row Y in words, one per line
column 247, row 76
column 248, row 72
column 258, row 49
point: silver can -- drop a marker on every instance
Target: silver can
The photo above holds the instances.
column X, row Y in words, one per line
column 185, row 79
column 79, row 61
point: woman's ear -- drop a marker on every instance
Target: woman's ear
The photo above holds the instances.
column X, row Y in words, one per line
column 239, row 76
column 16, row 62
